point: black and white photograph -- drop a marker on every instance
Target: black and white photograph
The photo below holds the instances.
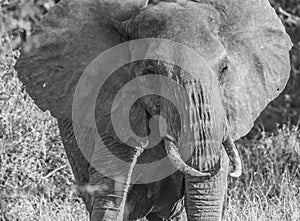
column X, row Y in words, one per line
column 149, row 110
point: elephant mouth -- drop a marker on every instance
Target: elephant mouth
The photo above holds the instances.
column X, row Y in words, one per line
column 175, row 158
column 177, row 161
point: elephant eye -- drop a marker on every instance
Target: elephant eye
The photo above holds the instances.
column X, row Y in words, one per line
column 222, row 74
column 150, row 69
column 223, row 68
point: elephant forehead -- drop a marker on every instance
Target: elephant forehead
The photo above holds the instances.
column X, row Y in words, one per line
column 121, row 9
column 194, row 25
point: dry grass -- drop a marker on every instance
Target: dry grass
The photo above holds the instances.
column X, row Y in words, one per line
column 30, row 149
column 269, row 186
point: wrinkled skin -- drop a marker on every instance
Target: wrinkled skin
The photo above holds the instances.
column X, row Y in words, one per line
column 204, row 195
column 244, row 65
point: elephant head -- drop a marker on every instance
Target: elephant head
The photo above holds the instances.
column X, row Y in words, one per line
column 238, row 64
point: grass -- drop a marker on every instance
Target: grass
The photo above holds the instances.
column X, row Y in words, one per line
column 269, row 186
column 31, row 149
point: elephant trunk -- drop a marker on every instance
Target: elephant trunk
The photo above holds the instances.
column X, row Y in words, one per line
column 204, row 191
column 204, row 197
column 207, row 165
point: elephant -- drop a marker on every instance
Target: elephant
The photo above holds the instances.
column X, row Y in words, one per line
column 236, row 60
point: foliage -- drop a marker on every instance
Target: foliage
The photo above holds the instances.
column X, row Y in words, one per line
column 17, row 18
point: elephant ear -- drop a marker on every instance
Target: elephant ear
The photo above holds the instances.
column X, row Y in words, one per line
column 64, row 43
column 258, row 60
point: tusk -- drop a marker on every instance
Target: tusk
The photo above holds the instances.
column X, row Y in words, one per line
column 145, row 145
column 125, row 187
column 234, row 156
column 176, row 160
column 145, row 5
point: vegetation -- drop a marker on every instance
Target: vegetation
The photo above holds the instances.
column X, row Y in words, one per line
column 35, row 178
column 269, row 186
